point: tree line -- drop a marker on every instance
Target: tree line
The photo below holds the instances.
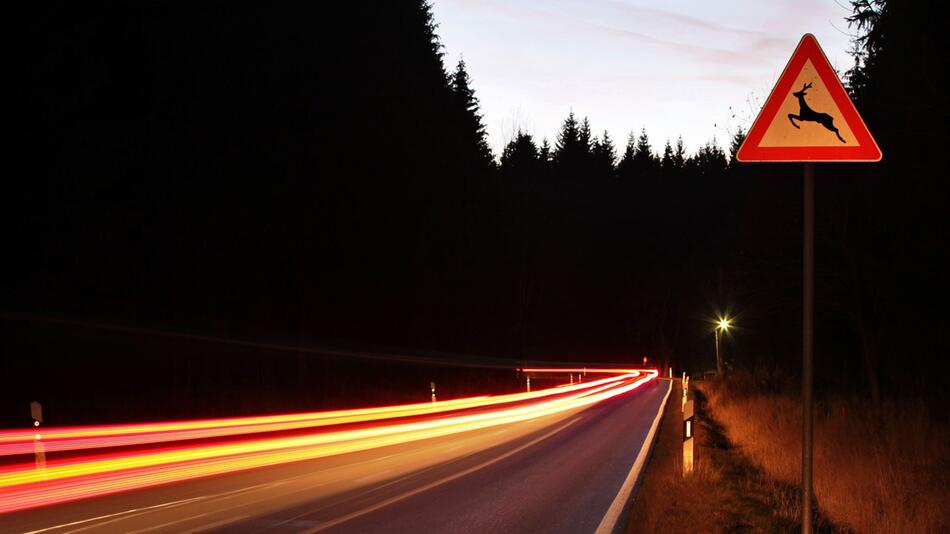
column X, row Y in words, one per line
column 578, row 155
column 265, row 173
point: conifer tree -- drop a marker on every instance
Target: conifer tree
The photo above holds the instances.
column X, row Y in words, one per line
column 625, row 169
column 545, row 158
column 603, row 155
column 568, row 139
column 679, row 154
column 476, row 137
column 709, row 161
column 544, row 153
column 520, row 157
column 585, row 136
column 572, row 149
column 734, row 145
column 644, row 161
column 667, row 162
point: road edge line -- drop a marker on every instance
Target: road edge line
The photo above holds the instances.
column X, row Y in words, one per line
column 611, row 519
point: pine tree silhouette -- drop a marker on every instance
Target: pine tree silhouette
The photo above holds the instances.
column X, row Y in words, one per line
column 568, row 139
column 666, row 163
column 586, row 161
column 603, row 155
column 710, row 161
column 735, row 143
column 544, row 153
column 545, row 159
column 572, row 152
column 679, row 154
column 644, row 161
column 476, row 137
column 520, row 157
column 625, row 168
column 584, row 136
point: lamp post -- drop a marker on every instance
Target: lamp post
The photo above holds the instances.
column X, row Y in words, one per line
column 723, row 326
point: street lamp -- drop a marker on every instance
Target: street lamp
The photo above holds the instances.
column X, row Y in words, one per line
column 722, row 326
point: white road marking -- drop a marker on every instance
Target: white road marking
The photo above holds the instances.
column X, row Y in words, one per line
column 397, row 498
column 163, row 525
column 371, row 476
column 216, row 524
column 609, row 522
column 143, row 510
column 135, row 512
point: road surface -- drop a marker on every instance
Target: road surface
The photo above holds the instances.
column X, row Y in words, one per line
column 566, row 472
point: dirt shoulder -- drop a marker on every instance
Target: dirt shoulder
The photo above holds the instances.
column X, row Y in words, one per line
column 725, row 493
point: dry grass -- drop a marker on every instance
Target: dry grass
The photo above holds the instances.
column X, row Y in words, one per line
column 882, row 471
column 724, row 494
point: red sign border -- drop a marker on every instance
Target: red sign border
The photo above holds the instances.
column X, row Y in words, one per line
column 866, row 149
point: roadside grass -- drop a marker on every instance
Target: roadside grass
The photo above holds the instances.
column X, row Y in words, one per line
column 725, row 493
column 883, row 470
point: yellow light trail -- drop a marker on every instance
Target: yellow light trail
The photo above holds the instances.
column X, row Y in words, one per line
column 23, row 486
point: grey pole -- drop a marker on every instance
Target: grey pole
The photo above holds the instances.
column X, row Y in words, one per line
column 808, row 340
column 718, row 359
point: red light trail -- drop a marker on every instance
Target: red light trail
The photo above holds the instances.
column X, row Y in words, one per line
column 251, row 442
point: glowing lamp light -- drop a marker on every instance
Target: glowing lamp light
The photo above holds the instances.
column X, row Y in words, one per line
column 722, row 326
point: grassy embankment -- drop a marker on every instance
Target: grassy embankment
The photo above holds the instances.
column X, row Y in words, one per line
column 726, row 493
column 884, row 470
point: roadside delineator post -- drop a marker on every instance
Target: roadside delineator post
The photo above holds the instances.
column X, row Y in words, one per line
column 685, row 383
column 689, row 429
column 39, row 449
column 432, row 388
column 529, row 384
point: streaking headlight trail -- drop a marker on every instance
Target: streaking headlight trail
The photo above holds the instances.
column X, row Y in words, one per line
column 166, row 452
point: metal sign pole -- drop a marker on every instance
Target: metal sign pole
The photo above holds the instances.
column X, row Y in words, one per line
column 718, row 359
column 808, row 340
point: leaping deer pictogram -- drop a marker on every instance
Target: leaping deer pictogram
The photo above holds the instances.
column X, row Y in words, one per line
column 806, row 114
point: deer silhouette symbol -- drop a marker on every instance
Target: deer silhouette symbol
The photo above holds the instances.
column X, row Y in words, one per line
column 806, row 114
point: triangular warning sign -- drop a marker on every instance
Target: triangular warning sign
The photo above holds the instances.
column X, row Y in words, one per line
column 808, row 116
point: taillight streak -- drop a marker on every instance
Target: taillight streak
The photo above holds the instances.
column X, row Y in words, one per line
column 24, row 486
column 14, row 442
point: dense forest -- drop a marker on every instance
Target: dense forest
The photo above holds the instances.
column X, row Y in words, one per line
column 318, row 177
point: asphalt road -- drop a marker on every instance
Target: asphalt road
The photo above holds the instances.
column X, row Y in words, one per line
column 558, row 473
